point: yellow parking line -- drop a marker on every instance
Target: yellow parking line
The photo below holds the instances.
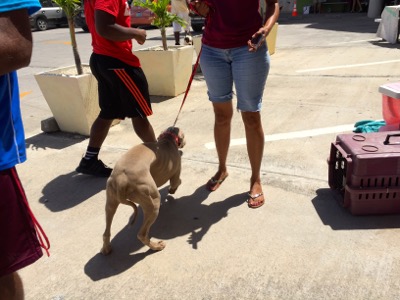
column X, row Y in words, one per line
column 58, row 42
column 23, row 94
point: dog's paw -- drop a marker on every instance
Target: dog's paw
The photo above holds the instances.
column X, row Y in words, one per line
column 172, row 190
column 157, row 246
column 106, row 250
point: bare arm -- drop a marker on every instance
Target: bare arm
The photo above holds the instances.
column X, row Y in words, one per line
column 108, row 29
column 271, row 16
column 16, row 40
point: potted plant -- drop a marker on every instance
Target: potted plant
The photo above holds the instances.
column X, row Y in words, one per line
column 174, row 63
column 70, row 8
column 71, row 92
column 163, row 17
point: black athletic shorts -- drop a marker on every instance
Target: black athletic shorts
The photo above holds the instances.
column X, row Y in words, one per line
column 123, row 89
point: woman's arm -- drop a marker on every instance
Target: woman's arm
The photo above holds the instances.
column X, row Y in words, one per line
column 271, row 14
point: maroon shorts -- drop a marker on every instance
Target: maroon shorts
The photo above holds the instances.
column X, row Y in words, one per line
column 19, row 243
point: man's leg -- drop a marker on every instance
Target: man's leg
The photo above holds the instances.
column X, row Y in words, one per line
column 177, row 30
column 90, row 164
column 99, row 132
column 177, row 35
column 143, row 129
column 11, row 287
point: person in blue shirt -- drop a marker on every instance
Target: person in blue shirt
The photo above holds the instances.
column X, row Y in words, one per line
column 20, row 244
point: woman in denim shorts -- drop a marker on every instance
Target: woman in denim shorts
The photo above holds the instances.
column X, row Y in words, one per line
column 234, row 54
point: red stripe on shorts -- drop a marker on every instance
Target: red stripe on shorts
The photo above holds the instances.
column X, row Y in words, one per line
column 130, row 84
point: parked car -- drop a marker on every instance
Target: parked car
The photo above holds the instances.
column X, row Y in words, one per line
column 197, row 21
column 80, row 20
column 49, row 15
column 140, row 16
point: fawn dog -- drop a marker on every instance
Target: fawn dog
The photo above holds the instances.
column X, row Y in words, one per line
column 136, row 178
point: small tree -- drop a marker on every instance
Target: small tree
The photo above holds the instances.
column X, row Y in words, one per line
column 163, row 18
column 70, row 8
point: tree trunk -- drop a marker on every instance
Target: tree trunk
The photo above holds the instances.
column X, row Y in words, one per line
column 77, row 58
column 164, row 39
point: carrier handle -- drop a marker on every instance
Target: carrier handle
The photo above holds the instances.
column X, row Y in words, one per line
column 386, row 142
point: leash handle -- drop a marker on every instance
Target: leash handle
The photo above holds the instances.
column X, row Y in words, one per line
column 189, row 84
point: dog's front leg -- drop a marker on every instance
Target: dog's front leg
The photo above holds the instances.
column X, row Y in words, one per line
column 174, row 182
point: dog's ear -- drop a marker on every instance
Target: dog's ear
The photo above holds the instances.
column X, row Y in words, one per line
column 181, row 139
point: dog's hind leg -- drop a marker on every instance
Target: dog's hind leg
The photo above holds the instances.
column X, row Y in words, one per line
column 135, row 209
column 111, row 207
column 151, row 206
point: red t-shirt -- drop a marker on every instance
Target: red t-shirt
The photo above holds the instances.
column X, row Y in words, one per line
column 121, row 11
column 231, row 23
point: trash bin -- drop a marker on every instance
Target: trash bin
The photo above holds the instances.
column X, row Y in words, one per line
column 375, row 8
column 271, row 38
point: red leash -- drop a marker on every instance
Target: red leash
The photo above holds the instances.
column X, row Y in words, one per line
column 189, row 84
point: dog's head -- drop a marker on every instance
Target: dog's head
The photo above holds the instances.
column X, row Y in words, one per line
column 188, row 40
column 175, row 134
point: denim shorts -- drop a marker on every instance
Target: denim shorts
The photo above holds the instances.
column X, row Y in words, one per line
column 247, row 70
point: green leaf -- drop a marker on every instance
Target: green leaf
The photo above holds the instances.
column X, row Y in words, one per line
column 163, row 18
column 69, row 6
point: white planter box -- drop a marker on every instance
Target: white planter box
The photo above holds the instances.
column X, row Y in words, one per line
column 73, row 99
column 167, row 72
column 197, row 43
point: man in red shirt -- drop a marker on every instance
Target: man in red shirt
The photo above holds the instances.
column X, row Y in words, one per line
column 123, row 88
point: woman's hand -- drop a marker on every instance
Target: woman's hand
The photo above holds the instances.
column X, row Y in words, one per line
column 257, row 39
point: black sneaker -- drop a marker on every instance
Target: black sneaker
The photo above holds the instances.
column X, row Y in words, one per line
column 93, row 167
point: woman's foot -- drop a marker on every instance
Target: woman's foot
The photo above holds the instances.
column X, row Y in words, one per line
column 215, row 181
column 255, row 200
column 256, row 196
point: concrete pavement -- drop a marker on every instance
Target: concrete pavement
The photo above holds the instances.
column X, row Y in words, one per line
column 300, row 245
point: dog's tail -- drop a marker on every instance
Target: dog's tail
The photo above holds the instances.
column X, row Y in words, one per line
column 135, row 211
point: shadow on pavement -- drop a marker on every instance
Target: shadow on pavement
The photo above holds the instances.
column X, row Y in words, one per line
column 339, row 218
column 385, row 44
column 159, row 99
column 189, row 215
column 177, row 218
column 349, row 22
column 122, row 257
column 57, row 140
column 69, row 190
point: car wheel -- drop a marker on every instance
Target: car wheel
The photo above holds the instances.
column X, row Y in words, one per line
column 41, row 24
column 197, row 28
column 85, row 28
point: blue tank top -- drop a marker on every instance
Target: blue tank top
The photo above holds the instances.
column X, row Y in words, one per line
column 12, row 138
